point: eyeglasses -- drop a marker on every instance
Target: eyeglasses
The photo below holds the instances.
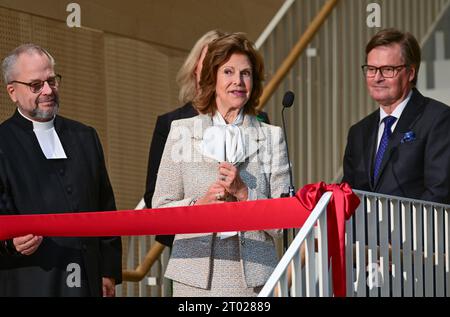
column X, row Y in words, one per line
column 386, row 71
column 38, row 85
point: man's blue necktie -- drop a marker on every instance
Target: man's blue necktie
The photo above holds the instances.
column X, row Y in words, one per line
column 388, row 122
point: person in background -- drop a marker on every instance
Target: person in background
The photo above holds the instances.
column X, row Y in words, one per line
column 188, row 79
column 50, row 164
column 402, row 148
column 228, row 155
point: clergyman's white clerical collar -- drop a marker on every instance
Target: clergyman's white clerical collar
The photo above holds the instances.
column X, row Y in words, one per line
column 48, row 138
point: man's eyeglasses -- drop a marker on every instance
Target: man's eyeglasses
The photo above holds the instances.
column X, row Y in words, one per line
column 386, row 71
column 38, row 85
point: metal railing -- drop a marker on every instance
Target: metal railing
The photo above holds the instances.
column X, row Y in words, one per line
column 394, row 247
column 339, row 70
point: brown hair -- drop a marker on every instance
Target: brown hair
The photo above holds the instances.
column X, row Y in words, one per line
column 219, row 52
column 409, row 47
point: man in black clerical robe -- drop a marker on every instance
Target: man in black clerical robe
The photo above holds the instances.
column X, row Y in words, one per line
column 50, row 164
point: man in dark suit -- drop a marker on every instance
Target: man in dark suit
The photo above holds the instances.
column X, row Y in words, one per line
column 188, row 79
column 50, row 164
column 403, row 148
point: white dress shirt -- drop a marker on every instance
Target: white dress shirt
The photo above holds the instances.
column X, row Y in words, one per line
column 396, row 113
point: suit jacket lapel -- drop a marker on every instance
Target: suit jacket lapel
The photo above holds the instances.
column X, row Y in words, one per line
column 188, row 111
column 411, row 114
column 254, row 134
column 409, row 117
column 30, row 141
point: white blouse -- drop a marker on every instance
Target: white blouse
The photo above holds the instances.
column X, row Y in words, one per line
column 48, row 138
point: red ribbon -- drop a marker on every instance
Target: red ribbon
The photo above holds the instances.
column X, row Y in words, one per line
column 234, row 216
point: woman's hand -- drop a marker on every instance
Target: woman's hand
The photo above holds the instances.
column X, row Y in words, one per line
column 215, row 195
column 230, row 179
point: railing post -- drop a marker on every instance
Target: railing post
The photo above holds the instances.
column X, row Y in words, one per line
column 323, row 256
column 428, row 250
column 447, row 250
column 294, row 252
column 395, row 241
column 297, row 50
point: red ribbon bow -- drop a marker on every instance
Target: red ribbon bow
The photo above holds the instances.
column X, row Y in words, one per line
column 239, row 216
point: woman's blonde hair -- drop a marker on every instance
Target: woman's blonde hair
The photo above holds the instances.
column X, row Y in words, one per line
column 219, row 52
column 186, row 78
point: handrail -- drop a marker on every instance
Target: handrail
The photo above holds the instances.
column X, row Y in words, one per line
column 296, row 51
column 273, row 23
column 433, row 26
column 366, row 248
column 143, row 268
column 338, row 176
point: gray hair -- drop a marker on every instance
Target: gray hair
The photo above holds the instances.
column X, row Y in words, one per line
column 10, row 61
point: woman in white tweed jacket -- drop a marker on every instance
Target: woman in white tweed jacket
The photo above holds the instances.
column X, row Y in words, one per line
column 224, row 154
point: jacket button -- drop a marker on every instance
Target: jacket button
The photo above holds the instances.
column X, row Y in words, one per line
column 84, row 247
column 61, row 172
column 69, row 189
column 242, row 242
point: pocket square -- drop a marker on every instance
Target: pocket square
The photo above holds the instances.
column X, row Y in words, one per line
column 408, row 137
